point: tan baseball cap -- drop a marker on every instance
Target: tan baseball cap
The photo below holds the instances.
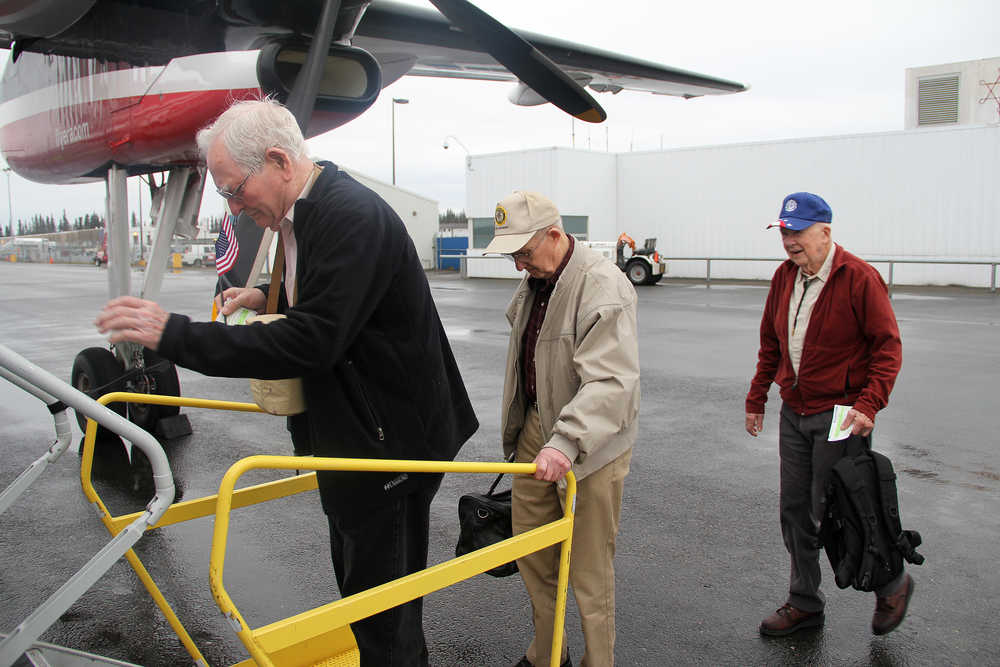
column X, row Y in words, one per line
column 517, row 218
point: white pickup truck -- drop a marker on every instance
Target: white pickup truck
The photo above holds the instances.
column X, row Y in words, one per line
column 196, row 255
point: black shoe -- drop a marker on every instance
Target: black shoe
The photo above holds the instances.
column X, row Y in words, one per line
column 524, row 662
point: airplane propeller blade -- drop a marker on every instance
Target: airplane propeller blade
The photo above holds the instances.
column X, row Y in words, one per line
column 522, row 59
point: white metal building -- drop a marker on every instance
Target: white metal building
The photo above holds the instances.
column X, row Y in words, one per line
column 927, row 193
column 964, row 93
column 419, row 214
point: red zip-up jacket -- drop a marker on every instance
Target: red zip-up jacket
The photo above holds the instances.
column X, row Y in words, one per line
column 851, row 353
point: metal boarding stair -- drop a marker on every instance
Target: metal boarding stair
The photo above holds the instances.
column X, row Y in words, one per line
column 59, row 396
column 319, row 637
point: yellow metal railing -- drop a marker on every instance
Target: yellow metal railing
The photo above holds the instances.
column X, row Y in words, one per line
column 178, row 511
column 322, row 635
column 307, row 638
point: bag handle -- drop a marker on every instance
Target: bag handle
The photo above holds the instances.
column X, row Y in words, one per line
column 510, row 459
column 276, row 270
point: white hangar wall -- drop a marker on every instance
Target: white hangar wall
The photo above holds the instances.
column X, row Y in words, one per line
column 580, row 183
column 952, row 93
column 923, row 194
column 928, row 194
column 419, row 214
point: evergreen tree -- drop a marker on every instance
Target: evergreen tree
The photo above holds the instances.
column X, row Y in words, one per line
column 452, row 219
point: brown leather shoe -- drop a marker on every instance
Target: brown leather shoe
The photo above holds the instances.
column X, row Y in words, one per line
column 890, row 610
column 788, row 619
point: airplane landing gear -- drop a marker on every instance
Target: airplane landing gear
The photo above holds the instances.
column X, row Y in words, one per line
column 96, row 372
column 155, row 376
column 127, row 366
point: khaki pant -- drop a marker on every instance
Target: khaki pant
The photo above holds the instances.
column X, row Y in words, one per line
column 592, row 569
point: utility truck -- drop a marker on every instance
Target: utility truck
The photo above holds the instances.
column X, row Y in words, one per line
column 642, row 266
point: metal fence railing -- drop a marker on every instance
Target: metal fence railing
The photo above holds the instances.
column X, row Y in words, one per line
column 992, row 263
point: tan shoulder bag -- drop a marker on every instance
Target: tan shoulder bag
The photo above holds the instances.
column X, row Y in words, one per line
column 278, row 397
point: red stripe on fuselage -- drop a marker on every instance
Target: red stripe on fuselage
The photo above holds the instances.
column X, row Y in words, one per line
column 155, row 131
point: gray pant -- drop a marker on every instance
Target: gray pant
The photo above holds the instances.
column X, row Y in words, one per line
column 807, row 458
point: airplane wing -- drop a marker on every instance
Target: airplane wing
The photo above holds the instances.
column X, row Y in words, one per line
column 404, row 39
column 394, row 31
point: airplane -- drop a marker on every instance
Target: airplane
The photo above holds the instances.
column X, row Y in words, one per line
column 107, row 89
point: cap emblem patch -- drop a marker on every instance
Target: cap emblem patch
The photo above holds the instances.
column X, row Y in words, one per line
column 791, row 205
column 500, row 216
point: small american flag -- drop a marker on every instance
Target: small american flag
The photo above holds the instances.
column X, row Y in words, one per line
column 226, row 247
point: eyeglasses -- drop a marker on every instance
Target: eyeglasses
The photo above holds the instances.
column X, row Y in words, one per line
column 524, row 254
column 237, row 193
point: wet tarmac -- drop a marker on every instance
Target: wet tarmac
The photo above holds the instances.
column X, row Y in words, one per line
column 700, row 559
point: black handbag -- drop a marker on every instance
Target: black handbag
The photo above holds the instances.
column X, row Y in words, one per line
column 484, row 519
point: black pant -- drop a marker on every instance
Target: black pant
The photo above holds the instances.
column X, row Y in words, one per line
column 373, row 545
column 807, row 460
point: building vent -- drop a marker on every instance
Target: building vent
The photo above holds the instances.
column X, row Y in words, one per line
column 937, row 100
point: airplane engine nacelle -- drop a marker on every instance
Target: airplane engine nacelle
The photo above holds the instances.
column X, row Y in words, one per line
column 41, row 18
column 524, row 96
column 351, row 81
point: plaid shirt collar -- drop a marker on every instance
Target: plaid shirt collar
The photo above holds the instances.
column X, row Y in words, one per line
column 548, row 283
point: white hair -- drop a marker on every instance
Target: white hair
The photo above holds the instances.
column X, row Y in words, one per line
column 249, row 127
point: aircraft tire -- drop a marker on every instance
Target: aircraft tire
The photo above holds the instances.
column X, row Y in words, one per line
column 638, row 272
column 96, row 372
column 161, row 377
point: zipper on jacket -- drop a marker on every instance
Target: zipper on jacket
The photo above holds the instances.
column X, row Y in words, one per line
column 368, row 405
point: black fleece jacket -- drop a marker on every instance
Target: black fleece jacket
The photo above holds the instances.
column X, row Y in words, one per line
column 379, row 377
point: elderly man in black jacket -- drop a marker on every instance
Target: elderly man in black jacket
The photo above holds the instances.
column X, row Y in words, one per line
column 379, row 377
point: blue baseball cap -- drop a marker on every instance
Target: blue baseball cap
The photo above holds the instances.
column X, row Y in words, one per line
column 800, row 210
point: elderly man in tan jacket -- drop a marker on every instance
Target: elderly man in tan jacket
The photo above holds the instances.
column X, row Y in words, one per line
column 571, row 401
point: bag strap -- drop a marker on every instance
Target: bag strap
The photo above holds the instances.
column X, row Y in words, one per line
column 276, row 271
column 510, row 459
column 906, row 541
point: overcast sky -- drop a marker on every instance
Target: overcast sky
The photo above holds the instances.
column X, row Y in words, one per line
column 814, row 69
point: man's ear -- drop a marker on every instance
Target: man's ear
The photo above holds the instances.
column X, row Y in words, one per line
column 278, row 157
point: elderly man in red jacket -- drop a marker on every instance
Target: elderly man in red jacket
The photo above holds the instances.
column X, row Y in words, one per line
column 828, row 337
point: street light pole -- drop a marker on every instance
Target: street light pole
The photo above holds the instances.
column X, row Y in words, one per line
column 457, row 141
column 468, row 154
column 395, row 101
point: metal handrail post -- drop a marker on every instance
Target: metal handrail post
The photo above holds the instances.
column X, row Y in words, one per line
column 64, row 434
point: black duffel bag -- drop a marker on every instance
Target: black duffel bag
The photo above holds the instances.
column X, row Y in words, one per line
column 861, row 530
column 484, row 519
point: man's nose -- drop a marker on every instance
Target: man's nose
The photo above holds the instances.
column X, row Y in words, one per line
column 520, row 264
column 235, row 207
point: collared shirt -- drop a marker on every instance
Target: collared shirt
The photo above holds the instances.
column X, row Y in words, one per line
column 542, row 287
column 804, row 295
column 287, row 232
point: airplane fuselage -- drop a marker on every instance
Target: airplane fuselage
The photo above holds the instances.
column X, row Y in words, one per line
column 66, row 120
